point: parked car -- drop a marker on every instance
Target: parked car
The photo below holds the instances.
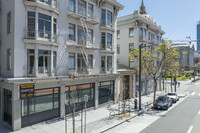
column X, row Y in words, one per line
column 173, row 96
column 163, row 102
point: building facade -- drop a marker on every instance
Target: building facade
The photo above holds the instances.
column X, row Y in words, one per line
column 198, row 36
column 186, row 52
column 53, row 53
column 132, row 30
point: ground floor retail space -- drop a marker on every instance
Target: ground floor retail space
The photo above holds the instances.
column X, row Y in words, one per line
column 26, row 102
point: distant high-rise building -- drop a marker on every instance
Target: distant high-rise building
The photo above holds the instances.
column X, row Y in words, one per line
column 198, row 36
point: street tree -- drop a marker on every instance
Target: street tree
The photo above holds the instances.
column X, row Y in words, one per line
column 155, row 59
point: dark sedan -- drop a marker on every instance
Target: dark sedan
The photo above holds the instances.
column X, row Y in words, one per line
column 163, row 102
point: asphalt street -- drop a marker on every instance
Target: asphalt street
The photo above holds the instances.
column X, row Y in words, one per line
column 184, row 118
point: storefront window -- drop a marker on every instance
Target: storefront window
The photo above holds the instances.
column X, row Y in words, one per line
column 77, row 93
column 106, row 89
column 43, row 100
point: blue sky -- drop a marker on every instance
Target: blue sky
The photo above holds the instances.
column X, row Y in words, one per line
column 178, row 18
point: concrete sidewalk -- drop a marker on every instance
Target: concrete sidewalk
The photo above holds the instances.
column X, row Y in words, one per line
column 97, row 120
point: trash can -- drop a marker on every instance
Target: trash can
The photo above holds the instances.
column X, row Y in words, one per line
column 135, row 102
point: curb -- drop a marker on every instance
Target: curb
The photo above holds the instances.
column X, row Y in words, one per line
column 125, row 120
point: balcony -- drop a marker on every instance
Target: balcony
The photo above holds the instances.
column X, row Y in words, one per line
column 50, row 5
column 87, row 18
column 142, row 39
column 82, row 70
column 40, row 37
column 79, row 43
column 30, row 72
column 107, row 27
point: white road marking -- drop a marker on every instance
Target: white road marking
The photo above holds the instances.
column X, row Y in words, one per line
column 193, row 93
column 190, row 129
column 199, row 112
column 199, row 94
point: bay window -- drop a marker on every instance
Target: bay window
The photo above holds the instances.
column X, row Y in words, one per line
column 72, row 5
column 103, row 64
column 109, row 41
column 90, row 10
column 30, row 61
column 44, row 26
column 44, row 61
column 109, row 63
column 106, row 18
column 31, row 24
column 82, row 8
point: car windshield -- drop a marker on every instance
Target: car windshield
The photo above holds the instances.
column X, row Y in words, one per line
column 161, row 99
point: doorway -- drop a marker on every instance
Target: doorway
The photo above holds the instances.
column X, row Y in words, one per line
column 8, row 106
column 126, row 87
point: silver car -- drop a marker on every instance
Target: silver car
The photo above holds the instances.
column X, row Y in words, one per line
column 173, row 96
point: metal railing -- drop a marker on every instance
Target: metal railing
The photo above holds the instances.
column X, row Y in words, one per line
column 82, row 70
column 44, row 34
column 30, row 34
column 30, row 71
column 44, row 70
column 103, row 70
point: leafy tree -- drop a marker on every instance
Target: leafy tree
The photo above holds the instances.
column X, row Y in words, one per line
column 161, row 57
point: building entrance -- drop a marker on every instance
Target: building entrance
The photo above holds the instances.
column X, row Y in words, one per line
column 126, row 87
column 8, row 106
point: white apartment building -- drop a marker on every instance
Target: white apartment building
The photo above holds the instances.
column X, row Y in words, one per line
column 132, row 30
column 55, row 51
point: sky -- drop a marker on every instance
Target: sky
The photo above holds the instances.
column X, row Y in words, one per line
column 178, row 18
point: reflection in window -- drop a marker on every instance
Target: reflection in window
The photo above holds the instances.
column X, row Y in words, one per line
column 72, row 32
column 81, row 36
column 71, row 61
column 31, row 24
column 72, row 5
column 109, row 18
column 44, row 26
column 82, row 8
column 103, row 64
column 90, row 36
column 44, row 61
column 103, row 17
column 103, row 40
column 90, row 10
column 131, row 32
column 109, row 63
column 90, row 60
column 109, row 41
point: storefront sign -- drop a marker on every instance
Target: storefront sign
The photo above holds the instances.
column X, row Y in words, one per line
column 26, row 90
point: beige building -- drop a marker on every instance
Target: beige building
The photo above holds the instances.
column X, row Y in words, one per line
column 132, row 30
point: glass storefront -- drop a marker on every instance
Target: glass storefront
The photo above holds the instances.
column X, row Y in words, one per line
column 106, row 91
column 44, row 101
column 75, row 95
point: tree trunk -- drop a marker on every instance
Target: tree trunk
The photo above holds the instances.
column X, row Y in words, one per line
column 171, row 85
column 155, row 89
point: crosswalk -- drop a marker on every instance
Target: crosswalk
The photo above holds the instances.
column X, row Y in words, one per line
column 194, row 93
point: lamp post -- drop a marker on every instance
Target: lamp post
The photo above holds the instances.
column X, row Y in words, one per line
column 140, row 67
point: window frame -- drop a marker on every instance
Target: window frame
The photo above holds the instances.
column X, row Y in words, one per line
column 74, row 57
column 131, row 32
column 9, row 22
column 9, row 60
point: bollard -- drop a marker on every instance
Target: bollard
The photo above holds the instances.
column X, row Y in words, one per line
column 135, row 101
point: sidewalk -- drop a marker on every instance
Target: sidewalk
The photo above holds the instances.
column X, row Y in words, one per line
column 97, row 120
